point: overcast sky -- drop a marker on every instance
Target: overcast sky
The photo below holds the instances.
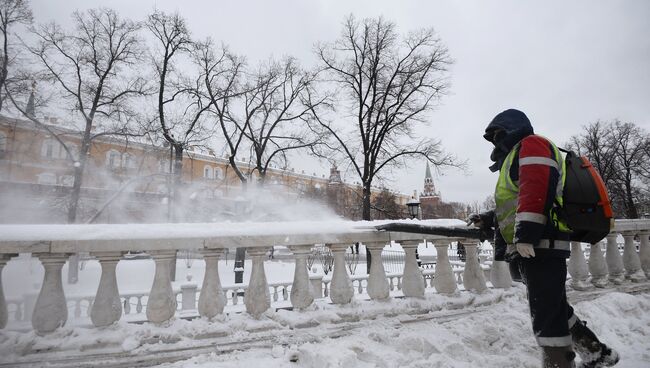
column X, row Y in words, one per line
column 564, row 63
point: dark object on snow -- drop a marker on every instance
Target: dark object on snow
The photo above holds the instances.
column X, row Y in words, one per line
column 586, row 208
column 558, row 357
column 594, row 354
column 454, row 232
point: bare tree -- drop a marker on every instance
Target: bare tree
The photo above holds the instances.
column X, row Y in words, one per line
column 619, row 152
column 91, row 68
column 180, row 108
column 387, row 84
column 222, row 74
column 273, row 114
column 629, row 142
column 12, row 13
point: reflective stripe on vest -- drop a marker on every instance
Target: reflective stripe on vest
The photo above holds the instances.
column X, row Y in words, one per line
column 507, row 192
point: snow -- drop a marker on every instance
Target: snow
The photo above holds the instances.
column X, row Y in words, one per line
column 463, row 330
column 191, row 230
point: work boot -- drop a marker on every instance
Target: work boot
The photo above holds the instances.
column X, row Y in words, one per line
column 558, row 357
column 593, row 353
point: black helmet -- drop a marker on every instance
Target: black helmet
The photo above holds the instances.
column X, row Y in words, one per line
column 505, row 131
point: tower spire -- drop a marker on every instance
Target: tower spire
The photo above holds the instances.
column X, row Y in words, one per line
column 429, row 187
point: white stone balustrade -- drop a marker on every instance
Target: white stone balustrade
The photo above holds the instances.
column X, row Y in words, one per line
column 49, row 308
column 340, row 290
column 473, row 276
column 412, row 281
column 644, row 252
column 578, row 268
column 616, row 272
column 161, row 305
column 631, row 261
column 377, row 284
column 107, row 307
column 302, row 294
column 257, row 297
column 443, row 279
column 597, row 265
column 212, row 299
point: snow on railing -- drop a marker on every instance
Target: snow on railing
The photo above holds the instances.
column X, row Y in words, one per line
column 52, row 244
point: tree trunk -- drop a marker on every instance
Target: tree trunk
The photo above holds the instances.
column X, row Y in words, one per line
column 366, row 202
column 176, row 187
column 631, row 207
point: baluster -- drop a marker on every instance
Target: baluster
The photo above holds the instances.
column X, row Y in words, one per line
column 51, row 309
column 473, row 276
column 138, row 307
column 443, row 279
column 275, row 293
column 77, row 308
column 90, row 307
column 4, row 314
column 412, row 280
column 644, row 252
column 316, row 285
column 212, row 299
column 235, row 297
column 107, row 308
column 614, row 260
column 359, row 286
column 19, row 310
column 127, row 305
column 326, row 291
column 302, row 293
column 597, row 266
column 161, row 305
column 578, row 267
column 399, row 283
column 285, row 293
column 631, row 260
column 377, row 283
column 257, row 297
column 500, row 274
column 341, row 291
column 391, row 284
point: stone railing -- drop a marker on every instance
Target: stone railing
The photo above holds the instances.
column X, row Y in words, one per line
column 52, row 244
column 613, row 267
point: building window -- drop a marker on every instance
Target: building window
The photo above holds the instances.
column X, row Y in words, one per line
column 47, row 178
column 207, row 172
column 47, row 150
column 128, row 161
column 218, row 173
column 113, row 159
column 163, row 166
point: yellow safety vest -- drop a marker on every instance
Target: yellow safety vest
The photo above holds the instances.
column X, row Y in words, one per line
column 507, row 192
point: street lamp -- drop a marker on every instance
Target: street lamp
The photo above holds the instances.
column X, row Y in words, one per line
column 413, row 206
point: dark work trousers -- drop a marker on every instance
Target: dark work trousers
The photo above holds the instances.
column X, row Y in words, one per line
column 551, row 314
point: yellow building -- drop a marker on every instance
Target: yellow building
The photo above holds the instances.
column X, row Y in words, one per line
column 36, row 173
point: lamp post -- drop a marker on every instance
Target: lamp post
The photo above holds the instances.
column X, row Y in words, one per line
column 413, row 206
column 240, row 253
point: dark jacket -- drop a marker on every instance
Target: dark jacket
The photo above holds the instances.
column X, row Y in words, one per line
column 537, row 182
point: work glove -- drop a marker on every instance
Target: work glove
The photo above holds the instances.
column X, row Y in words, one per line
column 525, row 250
column 483, row 220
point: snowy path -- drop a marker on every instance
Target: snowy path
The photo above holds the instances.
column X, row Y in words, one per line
column 489, row 330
